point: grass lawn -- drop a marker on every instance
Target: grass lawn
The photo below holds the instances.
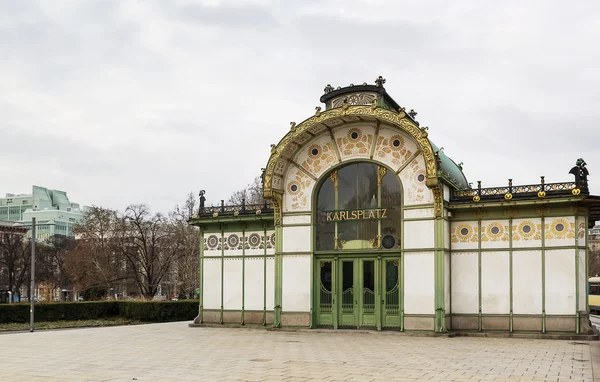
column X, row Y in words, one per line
column 69, row 324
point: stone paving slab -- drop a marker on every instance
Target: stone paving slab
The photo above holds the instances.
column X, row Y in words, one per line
column 175, row 352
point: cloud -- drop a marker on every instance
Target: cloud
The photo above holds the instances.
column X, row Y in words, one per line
column 121, row 102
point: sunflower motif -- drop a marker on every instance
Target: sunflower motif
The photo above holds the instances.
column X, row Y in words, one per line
column 212, row 242
column 495, row 231
column 354, row 134
column 559, row 228
column 396, row 142
column 527, row 229
column 314, row 151
column 464, row 232
column 293, row 188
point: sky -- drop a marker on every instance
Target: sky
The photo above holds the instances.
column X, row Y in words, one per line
column 143, row 101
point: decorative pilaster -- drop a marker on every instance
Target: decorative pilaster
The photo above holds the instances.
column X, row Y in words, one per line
column 277, row 204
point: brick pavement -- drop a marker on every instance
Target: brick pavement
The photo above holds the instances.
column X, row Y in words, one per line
column 174, row 352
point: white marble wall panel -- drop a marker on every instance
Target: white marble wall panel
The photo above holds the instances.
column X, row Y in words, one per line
column 447, row 234
column 211, row 291
column 464, row 282
column 464, row 235
column 527, row 233
column 419, row 213
column 418, row 234
column 560, row 281
column 413, row 178
column 256, row 242
column 394, row 147
column 297, row 219
column 560, row 231
column 447, row 279
column 212, row 244
column 527, row 282
column 447, row 193
column 233, row 243
column 495, row 283
column 270, row 283
column 296, row 283
column 583, row 280
column 495, row 234
column 232, row 284
column 296, row 239
column 298, row 190
column 254, row 283
column 419, row 283
column 354, row 141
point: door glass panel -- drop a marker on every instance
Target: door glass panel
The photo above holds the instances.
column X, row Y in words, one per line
column 391, row 286
column 325, row 293
column 369, row 287
column 347, row 287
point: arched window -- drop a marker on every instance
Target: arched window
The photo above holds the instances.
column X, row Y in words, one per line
column 359, row 207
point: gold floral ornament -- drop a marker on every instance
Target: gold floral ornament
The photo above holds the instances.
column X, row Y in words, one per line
column 508, row 196
column 541, row 194
column 576, row 191
column 527, row 229
column 354, row 134
column 560, row 228
column 463, row 233
column 495, row 231
column 215, row 214
column 476, row 198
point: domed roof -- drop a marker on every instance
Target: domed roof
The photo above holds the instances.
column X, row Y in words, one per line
column 448, row 170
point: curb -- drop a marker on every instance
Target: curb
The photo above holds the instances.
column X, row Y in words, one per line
column 531, row 336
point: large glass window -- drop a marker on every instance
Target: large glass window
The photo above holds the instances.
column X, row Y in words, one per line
column 358, row 207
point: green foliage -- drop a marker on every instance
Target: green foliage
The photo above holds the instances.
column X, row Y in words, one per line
column 146, row 311
column 159, row 311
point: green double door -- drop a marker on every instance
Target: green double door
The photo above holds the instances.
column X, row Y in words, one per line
column 359, row 292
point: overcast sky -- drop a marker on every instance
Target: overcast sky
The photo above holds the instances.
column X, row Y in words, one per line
column 122, row 102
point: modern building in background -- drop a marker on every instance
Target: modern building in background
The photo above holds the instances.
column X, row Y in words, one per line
column 54, row 212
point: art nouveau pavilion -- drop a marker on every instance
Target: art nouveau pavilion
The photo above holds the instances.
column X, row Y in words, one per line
column 368, row 224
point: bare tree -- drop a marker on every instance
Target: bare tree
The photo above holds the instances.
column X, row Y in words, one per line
column 184, row 274
column 253, row 194
column 51, row 264
column 15, row 259
column 149, row 244
column 96, row 262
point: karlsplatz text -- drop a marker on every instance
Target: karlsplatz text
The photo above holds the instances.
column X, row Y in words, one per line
column 376, row 213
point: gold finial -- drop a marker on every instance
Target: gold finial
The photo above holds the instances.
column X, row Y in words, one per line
column 292, row 126
column 273, row 148
column 318, row 111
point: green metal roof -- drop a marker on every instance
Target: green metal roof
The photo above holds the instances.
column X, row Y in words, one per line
column 448, row 170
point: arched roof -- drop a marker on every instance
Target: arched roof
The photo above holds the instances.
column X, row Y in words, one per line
column 298, row 135
column 448, row 170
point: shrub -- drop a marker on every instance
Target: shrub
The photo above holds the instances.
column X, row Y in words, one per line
column 159, row 311
column 146, row 311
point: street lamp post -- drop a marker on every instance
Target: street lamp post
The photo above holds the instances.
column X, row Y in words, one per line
column 32, row 293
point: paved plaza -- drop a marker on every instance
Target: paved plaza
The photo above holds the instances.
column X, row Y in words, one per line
column 175, row 352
